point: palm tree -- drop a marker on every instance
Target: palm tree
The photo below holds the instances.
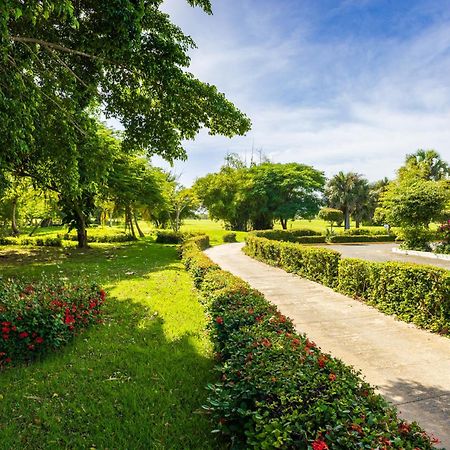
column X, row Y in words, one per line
column 348, row 192
column 428, row 163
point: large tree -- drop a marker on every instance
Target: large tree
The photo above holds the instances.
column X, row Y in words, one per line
column 59, row 60
column 255, row 196
column 426, row 164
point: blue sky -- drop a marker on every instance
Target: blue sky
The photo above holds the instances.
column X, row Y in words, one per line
column 341, row 85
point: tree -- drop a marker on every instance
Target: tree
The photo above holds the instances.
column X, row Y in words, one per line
column 61, row 60
column 182, row 203
column 283, row 192
column 331, row 215
column 133, row 184
column 426, row 164
column 346, row 192
column 257, row 195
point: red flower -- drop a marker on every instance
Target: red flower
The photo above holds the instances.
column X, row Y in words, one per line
column 6, row 324
column 332, row 377
column 39, row 340
column 251, row 311
column 14, row 328
column 404, row 428
column 5, row 330
column 5, row 337
column 295, row 342
column 7, row 360
column 266, row 342
column 102, row 294
column 322, row 360
column 92, row 304
column 23, row 335
column 219, row 320
column 30, row 347
column 318, row 444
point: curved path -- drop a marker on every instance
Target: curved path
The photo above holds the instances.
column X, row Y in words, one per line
column 411, row 367
column 382, row 252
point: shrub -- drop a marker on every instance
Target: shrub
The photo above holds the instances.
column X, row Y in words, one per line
column 43, row 316
column 229, row 237
column 276, row 388
column 102, row 238
column 286, row 235
column 416, row 238
column 414, row 293
column 171, row 237
column 331, row 215
column 314, row 263
column 342, row 238
column 43, row 241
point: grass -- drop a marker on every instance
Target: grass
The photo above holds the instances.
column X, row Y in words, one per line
column 137, row 381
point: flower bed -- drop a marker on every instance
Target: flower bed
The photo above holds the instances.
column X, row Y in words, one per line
column 276, row 388
column 414, row 293
column 40, row 317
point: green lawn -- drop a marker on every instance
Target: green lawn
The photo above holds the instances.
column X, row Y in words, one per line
column 136, row 382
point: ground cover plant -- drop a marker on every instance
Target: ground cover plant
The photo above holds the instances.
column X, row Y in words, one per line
column 276, row 388
column 135, row 381
column 413, row 293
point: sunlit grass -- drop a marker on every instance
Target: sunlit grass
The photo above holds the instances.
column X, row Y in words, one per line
column 138, row 381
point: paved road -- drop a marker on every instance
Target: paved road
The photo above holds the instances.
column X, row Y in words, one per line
column 411, row 367
column 381, row 252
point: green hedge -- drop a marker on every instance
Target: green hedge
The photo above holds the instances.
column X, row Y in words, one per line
column 102, row 238
column 315, row 263
column 276, row 389
column 286, row 235
column 342, row 238
column 229, row 237
column 171, row 237
column 415, row 293
column 44, row 241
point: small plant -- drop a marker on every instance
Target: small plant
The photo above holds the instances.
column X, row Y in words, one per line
column 415, row 238
column 331, row 215
column 229, row 237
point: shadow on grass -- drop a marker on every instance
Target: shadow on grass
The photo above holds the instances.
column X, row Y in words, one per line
column 135, row 382
column 427, row 405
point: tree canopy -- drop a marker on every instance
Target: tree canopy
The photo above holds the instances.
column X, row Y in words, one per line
column 255, row 196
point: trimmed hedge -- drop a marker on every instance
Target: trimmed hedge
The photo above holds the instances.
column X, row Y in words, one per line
column 39, row 317
column 102, row 238
column 44, row 241
column 286, row 235
column 171, row 237
column 343, row 238
column 229, row 237
column 415, row 293
column 315, row 263
column 276, row 388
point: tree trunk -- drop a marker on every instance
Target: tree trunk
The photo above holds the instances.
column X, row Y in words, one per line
column 129, row 220
column 357, row 223
column 15, row 229
column 141, row 234
column 81, row 228
column 284, row 223
column 347, row 219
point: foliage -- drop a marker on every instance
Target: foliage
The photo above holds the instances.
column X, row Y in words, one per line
column 414, row 293
column 171, row 237
column 331, row 215
column 259, row 194
column 285, row 235
column 315, row 263
column 39, row 317
column 44, row 241
column 277, row 389
column 344, row 238
column 425, row 164
column 229, row 237
column 415, row 237
column 348, row 192
column 102, row 237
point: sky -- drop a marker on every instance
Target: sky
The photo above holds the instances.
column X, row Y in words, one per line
column 351, row 85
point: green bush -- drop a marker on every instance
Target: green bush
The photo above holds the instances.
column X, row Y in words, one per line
column 43, row 316
column 416, row 238
column 276, row 388
column 102, row 238
column 171, row 237
column 315, row 263
column 342, row 238
column 40, row 241
column 285, row 235
column 229, row 237
column 414, row 293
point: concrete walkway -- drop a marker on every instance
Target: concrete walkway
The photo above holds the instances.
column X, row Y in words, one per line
column 382, row 252
column 411, row 367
